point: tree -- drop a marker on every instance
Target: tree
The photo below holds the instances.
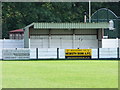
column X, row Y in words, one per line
column 17, row 15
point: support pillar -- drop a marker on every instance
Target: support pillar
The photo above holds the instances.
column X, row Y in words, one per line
column 49, row 38
column 73, row 41
column 26, row 38
column 100, row 36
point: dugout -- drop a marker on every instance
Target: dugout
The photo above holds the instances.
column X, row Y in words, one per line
column 64, row 35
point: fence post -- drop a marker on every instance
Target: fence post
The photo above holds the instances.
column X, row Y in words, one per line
column 98, row 54
column 118, row 53
column 37, row 53
column 57, row 53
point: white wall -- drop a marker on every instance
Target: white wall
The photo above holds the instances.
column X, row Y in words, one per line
column 118, row 42
column 33, row 53
column 8, row 43
column 1, row 43
column 16, row 54
column 94, row 53
column 86, row 43
column 110, row 43
column 51, row 53
column 0, row 53
column 64, row 41
column 47, row 53
column 62, row 53
column 119, row 52
column 108, row 53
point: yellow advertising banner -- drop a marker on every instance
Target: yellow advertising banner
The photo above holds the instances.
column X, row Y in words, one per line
column 78, row 53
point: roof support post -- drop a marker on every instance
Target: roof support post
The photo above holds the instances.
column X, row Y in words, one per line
column 73, row 41
column 100, row 38
column 102, row 33
column 26, row 37
column 29, row 43
column 42, row 42
column 49, row 39
column 61, row 43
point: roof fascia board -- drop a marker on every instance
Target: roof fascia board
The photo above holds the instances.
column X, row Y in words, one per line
column 71, row 25
column 32, row 24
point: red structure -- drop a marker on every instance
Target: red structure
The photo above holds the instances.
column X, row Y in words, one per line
column 16, row 34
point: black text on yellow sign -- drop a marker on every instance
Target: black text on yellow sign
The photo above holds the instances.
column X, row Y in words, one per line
column 78, row 53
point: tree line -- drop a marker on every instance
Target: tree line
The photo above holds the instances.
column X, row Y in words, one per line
column 16, row 15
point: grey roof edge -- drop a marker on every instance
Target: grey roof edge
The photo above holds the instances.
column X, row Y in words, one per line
column 29, row 25
column 34, row 23
column 69, row 23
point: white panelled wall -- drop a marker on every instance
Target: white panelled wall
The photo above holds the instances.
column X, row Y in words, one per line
column 51, row 53
column 62, row 42
column 63, row 39
column 110, row 43
column 94, row 53
column 108, row 53
column 47, row 53
column 8, row 43
column 0, row 53
column 33, row 53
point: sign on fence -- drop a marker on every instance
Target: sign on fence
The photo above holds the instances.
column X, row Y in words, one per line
column 78, row 53
column 13, row 54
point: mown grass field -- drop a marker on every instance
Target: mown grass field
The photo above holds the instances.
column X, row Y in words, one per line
column 60, row 74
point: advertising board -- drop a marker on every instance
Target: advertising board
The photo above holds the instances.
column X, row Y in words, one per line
column 78, row 53
column 13, row 54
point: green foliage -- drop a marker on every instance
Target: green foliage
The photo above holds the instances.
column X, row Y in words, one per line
column 17, row 15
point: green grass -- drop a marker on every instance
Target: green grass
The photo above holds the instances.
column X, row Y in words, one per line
column 60, row 74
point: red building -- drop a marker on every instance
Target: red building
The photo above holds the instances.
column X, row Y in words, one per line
column 16, row 34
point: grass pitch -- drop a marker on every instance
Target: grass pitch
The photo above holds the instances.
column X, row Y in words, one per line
column 60, row 74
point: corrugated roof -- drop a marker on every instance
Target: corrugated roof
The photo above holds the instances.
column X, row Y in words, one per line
column 17, row 30
column 70, row 25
